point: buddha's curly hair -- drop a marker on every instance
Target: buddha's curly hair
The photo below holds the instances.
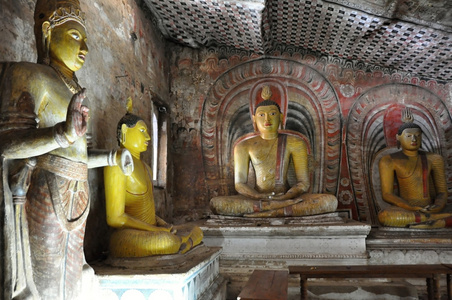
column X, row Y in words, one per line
column 130, row 120
column 267, row 103
column 407, row 126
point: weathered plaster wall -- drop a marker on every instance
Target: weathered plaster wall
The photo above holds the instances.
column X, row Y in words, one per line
column 116, row 67
column 206, row 82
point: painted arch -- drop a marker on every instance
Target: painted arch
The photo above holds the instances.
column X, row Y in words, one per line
column 312, row 109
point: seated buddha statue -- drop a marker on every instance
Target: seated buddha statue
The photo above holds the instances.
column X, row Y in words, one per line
column 421, row 182
column 130, row 203
column 270, row 153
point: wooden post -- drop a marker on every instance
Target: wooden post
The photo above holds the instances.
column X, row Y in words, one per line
column 303, row 287
column 449, row 287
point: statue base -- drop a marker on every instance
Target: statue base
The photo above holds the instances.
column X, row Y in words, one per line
column 361, row 289
column 388, row 245
column 323, row 238
column 189, row 276
column 395, row 246
column 276, row 243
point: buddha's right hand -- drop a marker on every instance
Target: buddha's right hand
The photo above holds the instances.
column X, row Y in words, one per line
column 270, row 196
column 172, row 229
column 169, row 228
column 283, row 197
column 76, row 118
column 163, row 226
column 432, row 208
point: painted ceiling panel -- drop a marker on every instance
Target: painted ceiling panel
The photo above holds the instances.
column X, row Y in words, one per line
column 408, row 35
column 201, row 23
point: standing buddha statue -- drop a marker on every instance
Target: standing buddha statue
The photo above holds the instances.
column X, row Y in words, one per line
column 42, row 126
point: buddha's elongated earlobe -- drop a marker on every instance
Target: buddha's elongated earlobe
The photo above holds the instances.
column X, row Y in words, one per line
column 46, row 34
column 123, row 133
column 254, row 124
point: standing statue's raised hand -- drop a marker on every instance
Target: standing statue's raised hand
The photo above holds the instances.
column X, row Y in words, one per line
column 77, row 117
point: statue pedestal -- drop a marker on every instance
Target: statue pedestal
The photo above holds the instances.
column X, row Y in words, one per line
column 410, row 246
column 395, row 246
column 326, row 238
column 276, row 243
column 190, row 276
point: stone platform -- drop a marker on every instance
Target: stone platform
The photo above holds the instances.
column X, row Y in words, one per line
column 276, row 243
column 295, row 240
column 190, row 276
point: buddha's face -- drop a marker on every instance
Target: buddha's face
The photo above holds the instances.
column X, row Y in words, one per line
column 267, row 118
column 410, row 139
column 136, row 139
column 68, row 45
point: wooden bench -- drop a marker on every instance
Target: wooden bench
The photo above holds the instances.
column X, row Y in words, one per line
column 430, row 272
column 265, row 285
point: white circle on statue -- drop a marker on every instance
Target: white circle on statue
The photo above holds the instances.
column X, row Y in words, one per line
column 133, row 295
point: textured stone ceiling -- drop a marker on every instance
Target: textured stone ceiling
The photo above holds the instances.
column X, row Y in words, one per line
column 408, row 35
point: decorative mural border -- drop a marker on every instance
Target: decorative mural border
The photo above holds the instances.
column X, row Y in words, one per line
column 321, row 62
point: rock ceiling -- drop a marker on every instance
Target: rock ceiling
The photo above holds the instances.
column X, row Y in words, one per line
column 407, row 35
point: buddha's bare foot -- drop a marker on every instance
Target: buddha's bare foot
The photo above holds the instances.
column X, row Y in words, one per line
column 429, row 225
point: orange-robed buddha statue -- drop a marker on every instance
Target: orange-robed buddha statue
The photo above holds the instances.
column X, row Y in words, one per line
column 270, row 153
column 421, row 182
column 130, row 203
column 45, row 159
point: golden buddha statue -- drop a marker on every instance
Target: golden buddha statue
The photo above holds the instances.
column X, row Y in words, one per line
column 421, row 182
column 43, row 122
column 270, row 153
column 130, row 203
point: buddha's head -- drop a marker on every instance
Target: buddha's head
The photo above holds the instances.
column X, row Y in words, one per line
column 267, row 117
column 132, row 134
column 60, row 33
column 409, row 135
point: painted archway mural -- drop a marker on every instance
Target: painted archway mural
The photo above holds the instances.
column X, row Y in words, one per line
column 312, row 109
column 371, row 132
